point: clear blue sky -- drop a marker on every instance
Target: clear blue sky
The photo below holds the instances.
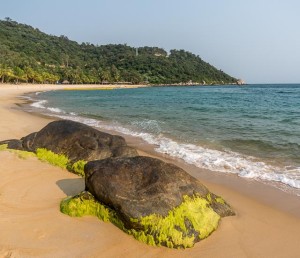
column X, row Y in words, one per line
column 257, row 40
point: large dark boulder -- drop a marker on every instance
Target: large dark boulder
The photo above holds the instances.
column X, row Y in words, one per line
column 76, row 141
column 141, row 186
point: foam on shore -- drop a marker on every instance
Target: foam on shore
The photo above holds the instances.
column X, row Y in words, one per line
column 284, row 178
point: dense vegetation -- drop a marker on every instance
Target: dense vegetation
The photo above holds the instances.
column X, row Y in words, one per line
column 29, row 55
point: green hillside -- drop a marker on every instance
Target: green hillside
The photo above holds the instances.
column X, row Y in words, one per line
column 29, row 55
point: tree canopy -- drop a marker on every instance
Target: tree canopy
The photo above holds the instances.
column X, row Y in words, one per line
column 29, row 55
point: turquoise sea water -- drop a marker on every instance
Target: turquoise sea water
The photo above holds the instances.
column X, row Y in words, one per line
column 252, row 131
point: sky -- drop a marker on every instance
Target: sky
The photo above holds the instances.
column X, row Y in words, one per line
column 255, row 40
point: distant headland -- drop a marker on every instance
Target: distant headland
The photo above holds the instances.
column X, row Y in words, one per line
column 28, row 55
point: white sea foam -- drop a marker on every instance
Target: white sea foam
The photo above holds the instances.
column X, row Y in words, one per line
column 39, row 92
column 220, row 161
column 42, row 105
column 39, row 104
column 55, row 110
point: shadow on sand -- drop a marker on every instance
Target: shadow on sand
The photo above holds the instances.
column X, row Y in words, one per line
column 71, row 186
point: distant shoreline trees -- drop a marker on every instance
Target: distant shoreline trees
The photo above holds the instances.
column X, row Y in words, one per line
column 28, row 55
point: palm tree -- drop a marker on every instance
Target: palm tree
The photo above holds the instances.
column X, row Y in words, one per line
column 6, row 73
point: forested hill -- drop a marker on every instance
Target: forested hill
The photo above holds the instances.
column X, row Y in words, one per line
column 29, row 55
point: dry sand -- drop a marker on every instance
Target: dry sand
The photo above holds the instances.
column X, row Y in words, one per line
column 267, row 223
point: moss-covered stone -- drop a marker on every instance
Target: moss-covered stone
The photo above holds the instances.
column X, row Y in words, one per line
column 181, row 228
column 61, row 161
column 208, row 197
column 220, row 200
column 58, row 160
column 50, row 157
column 77, row 141
column 84, row 204
column 78, row 167
column 3, row 147
column 19, row 153
column 174, row 230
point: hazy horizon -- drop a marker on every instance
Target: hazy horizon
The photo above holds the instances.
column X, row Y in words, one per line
column 257, row 41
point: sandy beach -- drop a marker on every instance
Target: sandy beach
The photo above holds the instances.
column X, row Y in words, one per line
column 267, row 223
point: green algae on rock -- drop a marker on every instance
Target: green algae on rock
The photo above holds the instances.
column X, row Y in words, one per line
column 68, row 144
column 3, row 147
column 50, row 157
column 78, row 167
column 172, row 231
column 61, row 161
column 84, row 204
column 20, row 154
column 157, row 202
column 76, row 141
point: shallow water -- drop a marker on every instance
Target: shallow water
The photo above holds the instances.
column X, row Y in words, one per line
column 252, row 131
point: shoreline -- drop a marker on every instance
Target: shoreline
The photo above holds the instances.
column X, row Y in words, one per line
column 267, row 221
column 241, row 184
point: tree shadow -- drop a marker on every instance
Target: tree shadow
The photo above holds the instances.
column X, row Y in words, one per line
column 71, row 186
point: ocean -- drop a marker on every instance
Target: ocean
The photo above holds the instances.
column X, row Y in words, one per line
column 252, row 131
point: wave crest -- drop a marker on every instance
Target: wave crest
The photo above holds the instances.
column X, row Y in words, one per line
column 220, row 161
